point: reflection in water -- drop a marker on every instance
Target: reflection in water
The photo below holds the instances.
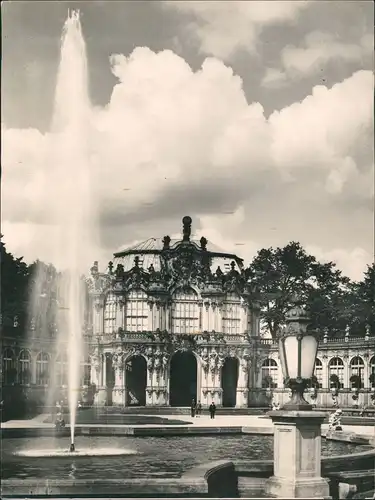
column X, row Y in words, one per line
column 161, row 457
column 72, row 471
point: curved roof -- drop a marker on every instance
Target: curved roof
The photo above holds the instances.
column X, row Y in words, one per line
column 149, row 252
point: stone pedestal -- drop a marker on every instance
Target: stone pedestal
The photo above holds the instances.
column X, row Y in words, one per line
column 297, row 456
column 101, row 396
column 242, row 397
column 118, row 396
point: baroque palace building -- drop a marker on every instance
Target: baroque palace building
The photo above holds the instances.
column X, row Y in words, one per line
column 173, row 320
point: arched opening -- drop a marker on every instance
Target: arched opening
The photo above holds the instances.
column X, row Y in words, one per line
column 229, row 379
column 183, row 379
column 9, row 368
column 42, row 369
column 61, row 370
column 319, row 372
column 357, row 368
column 336, row 373
column 110, row 377
column 270, row 374
column 25, row 367
column 136, row 381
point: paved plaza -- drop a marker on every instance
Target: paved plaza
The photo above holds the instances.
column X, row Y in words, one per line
column 203, row 421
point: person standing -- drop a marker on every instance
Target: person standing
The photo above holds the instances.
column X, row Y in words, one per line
column 212, row 409
column 199, row 408
column 193, row 407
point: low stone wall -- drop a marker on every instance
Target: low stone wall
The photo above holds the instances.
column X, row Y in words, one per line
column 107, row 430
column 220, row 477
column 168, row 487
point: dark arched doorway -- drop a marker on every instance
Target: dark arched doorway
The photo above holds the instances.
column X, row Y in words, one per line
column 109, row 377
column 229, row 378
column 183, row 379
column 136, row 381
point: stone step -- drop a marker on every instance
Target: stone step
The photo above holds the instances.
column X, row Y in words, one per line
column 171, row 410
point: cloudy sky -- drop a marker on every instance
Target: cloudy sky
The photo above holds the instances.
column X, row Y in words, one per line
column 254, row 118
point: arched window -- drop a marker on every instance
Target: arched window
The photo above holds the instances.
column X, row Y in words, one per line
column 9, row 367
column 319, row 372
column 136, row 311
column 42, row 369
column 185, row 312
column 24, row 367
column 336, row 367
column 269, row 373
column 357, row 367
column 110, row 309
column 231, row 315
column 61, row 370
column 372, row 371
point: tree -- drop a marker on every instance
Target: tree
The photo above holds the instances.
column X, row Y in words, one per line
column 278, row 275
column 364, row 301
column 14, row 289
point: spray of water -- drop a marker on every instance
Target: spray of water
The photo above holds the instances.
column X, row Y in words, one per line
column 70, row 208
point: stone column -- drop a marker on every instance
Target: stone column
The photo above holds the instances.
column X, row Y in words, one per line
column 205, row 316
column 366, row 372
column 346, row 373
column 243, row 322
column 199, row 381
column 325, row 381
column 101, row 395
column 150, row 380
column 95, row 369
column 33, row 368
column 167, row 316
column 118, row 393
column 219, row 326
column 151, row 317
column 214, row 324
column 243, row 384
column 119, row 313
column 97, row 316
column 297, row 456
column 103, row 389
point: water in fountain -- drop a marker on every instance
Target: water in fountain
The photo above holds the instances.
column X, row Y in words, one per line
column 70, row 209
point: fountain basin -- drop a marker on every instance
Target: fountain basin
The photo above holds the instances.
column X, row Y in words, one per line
column 104, row 458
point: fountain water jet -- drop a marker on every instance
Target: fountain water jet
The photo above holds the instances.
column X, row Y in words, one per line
column 70, row 205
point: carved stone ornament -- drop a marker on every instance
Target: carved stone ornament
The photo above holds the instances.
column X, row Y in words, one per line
column 118, row 360
column 95, row 359
column 244, row 364
column 203, row 353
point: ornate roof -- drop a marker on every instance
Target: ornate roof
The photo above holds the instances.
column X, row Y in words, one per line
column 159, row 265
column 149, row 252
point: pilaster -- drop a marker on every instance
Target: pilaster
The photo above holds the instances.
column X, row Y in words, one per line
column 325, row 381
column 118, row 394
column 243, row 383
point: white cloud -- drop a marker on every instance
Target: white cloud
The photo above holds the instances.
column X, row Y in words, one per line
column 321, row 131
column 352, row 262
column 316, row 52
column 222, row 232
column 222, row 28
column 170, row 134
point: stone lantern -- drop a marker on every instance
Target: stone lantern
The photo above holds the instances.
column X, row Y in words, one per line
column 297, row 350
column 297, row 428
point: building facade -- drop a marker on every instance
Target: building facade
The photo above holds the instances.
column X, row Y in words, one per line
column 171, row 321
